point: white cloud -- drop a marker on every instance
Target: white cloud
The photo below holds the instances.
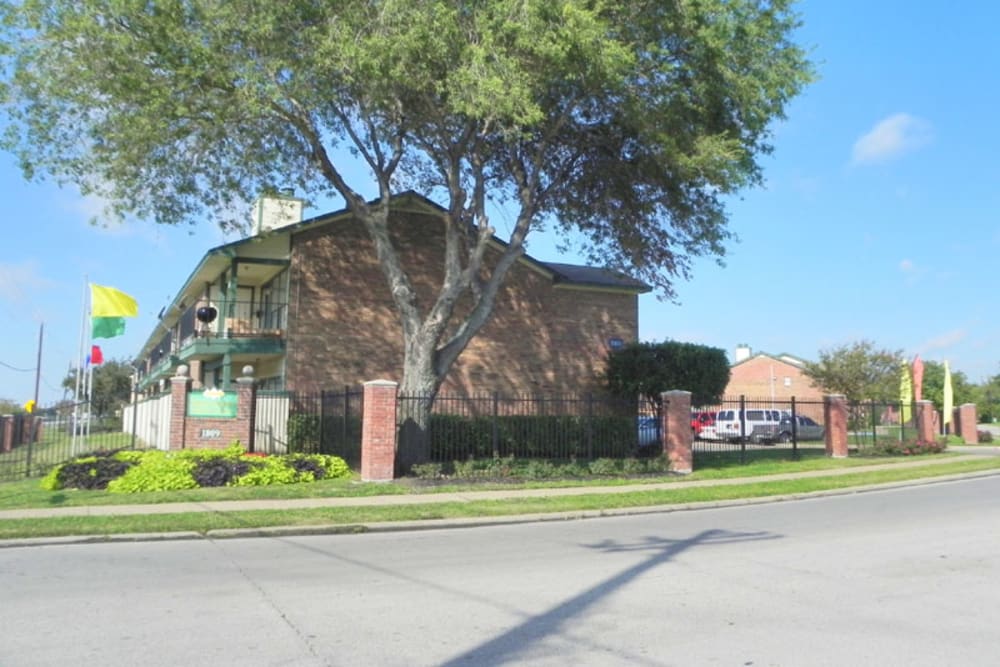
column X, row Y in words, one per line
column 907, row 266
column 944, row 341
column 891, row 137
column 17, row 281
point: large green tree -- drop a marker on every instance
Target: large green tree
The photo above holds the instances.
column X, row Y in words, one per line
column 111, row 387
column 859, row 370
column 649, row 369
column 626, row 121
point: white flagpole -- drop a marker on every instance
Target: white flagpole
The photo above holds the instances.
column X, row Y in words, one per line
column 90, row 393
column 77, row 397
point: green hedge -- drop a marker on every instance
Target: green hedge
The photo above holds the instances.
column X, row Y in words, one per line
column 532, row 436
column 304, row 435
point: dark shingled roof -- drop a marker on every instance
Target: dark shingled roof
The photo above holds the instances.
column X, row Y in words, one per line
column 594, row 276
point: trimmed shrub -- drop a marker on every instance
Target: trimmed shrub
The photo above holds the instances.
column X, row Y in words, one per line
column 532, row 436
column 536, row 469
column 427, row 470
column 984, row 436
column 218, row 471
column 603, row 467
column 271, row 470
column 156, row 472
column 905, row 448
column 92, row 472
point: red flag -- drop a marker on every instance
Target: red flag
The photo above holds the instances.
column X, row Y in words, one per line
column 918, row 378
column 96, row 356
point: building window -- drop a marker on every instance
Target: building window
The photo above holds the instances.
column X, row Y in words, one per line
column 788, row 381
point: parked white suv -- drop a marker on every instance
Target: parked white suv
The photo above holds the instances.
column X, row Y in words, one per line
column 727, row 422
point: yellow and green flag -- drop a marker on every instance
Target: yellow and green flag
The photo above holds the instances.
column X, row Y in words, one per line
column 108, row 309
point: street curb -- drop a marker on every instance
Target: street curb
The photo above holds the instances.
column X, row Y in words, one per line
column 476, row 522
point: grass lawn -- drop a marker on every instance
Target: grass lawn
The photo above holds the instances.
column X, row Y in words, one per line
column 679, row 490
column 27, row 493
column 352, row 519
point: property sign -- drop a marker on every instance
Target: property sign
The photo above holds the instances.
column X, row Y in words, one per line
column 212, row 403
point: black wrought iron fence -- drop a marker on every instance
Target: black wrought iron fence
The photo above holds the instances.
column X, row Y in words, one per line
column 881, row 424
column 30, row 445
column 324, row 422
column 552, row 427
column 745, row 428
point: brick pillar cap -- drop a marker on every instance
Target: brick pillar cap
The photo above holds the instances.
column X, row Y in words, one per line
column 966, row 404
column 381, row 383
column 836, row 396
column 676, row 392
column 924, row 401
column 181, row 372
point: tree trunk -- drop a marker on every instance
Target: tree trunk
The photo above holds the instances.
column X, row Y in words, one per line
column 417, row 392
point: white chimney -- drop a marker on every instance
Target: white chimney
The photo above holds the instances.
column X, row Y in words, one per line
column 275, row 211
column 742, row 352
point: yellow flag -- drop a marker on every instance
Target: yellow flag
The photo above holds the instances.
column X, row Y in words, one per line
column 948, row 398
column 905, row 394
column 29, row 407
column 109, row 302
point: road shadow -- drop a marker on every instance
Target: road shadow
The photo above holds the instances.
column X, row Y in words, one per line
column 507, row 647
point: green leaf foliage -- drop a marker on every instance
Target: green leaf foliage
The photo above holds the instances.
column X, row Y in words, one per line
column 155, row 470
column 933, row 386
column 112, row 386
column 649, row 369
column 629, row 121
column 859, row 371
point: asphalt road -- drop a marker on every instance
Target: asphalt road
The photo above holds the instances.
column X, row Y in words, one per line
column 901, row 577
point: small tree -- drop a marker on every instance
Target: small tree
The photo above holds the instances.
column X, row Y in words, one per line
column 9, row 407
column 649, row 369
column 933, row 387
column 987, row 399
column 112, row 386
column 858, row 371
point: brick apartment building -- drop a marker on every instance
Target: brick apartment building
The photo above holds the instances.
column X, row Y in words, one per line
column 305, row 303
column 770, row 376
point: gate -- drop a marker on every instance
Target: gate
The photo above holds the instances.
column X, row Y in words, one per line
column 739, row 429
column 325, row 422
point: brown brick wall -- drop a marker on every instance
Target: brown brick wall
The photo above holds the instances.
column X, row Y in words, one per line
column 343, row 327
column 752, row 378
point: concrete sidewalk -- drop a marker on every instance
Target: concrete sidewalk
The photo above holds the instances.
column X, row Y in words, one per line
column 429, row 497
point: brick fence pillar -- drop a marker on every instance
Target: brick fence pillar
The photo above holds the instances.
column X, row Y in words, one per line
column 926, row 422
column 179, row 385
column 677, row 435
column 6, row 433
column 246, row 408
column 835, row 419
column 378, row 431
column 966, row 424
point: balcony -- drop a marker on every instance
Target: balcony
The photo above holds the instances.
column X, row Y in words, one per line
column 240, row 319
column 241, row 330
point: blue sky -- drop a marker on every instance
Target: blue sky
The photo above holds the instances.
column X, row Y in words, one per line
column 880, row 218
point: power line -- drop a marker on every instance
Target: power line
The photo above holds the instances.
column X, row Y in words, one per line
column 19, row 370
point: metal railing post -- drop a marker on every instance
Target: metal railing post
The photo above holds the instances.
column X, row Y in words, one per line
column 495, row 426
column 743, row 430
column 795, row 432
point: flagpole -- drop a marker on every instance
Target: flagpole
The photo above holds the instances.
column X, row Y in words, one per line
column 79, row 365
